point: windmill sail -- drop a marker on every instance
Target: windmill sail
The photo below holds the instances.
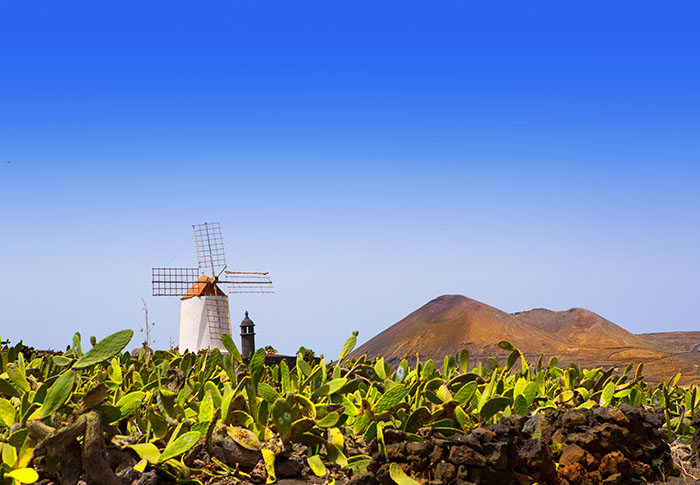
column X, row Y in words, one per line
column 173, row 281
column 204, row 315
column 249, row 282
column 210, row 247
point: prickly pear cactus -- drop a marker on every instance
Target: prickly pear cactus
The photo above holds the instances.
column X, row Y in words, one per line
column 105, row 349
column 176, row 406
column 391, row 398
column 282, row 416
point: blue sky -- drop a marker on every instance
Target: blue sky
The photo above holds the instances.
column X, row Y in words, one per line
column 370, row 156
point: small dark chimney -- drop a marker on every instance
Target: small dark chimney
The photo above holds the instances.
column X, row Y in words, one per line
column 247, row 338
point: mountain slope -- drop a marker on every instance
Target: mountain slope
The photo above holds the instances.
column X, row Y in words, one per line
column 674, row 341
column 582, row 328
column 449, row 323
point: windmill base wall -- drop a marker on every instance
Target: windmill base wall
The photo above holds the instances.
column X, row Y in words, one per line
column 198, row 329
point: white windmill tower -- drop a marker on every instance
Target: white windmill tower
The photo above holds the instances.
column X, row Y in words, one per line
column 204, row 313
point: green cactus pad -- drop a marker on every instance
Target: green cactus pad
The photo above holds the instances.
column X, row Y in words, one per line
column 105, row 349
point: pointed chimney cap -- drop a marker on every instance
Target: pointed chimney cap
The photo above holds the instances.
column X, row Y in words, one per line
column 247, row 322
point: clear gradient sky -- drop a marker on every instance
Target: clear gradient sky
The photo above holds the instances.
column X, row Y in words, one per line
column 370, row 155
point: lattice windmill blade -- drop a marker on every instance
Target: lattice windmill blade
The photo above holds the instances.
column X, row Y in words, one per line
column 174, row 281
column 210, row 247
column 204, row 309
column 249, row 282
column 219, row 320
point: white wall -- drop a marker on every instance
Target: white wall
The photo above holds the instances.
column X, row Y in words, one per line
column 197, row 330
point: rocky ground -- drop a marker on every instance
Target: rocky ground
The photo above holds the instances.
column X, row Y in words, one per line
column 625, row 445
column 577, row 446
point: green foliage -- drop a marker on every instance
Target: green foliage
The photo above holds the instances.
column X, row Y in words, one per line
column 398, row 475
column 317, row 466
column 231, row 347
column 348, row 346
column 307, row 354
column 607, row 395
column 23, row 475
column 269, row 459
column 493, row 406
column 180, row 446
column 311, row 402
column 147, row 451
column 270, row 350
column 58, row 394
column 105, row 349
column 391, row 398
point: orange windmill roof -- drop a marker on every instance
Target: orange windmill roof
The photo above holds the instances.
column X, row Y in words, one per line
column 203, row 287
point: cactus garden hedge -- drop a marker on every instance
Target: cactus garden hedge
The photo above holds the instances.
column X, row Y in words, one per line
column 105, row 416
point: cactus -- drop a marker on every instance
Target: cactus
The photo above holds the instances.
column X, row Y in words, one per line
column 390, row 398
column 317, row 466
column 269, row 459
column 105, row 349
column 129, row 403
column 231, row 348
column 244, row 437
column 18, row 378
column 399, row 476
column 348, row 346
column 8, row 413
column 179, row 399
column 180, row 445
column 147, row 451
column 23, row 475
column 492, row 406
column 282, row 417
column 57, row 395
column 267, row 392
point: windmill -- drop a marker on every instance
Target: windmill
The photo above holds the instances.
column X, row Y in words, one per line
column 204, row 313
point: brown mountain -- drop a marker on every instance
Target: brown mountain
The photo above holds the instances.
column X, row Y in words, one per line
column 449, row 323
column 581, row 327
column 452, row 322
column 674, row 341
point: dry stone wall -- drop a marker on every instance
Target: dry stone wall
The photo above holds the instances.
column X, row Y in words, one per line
column 611, row 446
